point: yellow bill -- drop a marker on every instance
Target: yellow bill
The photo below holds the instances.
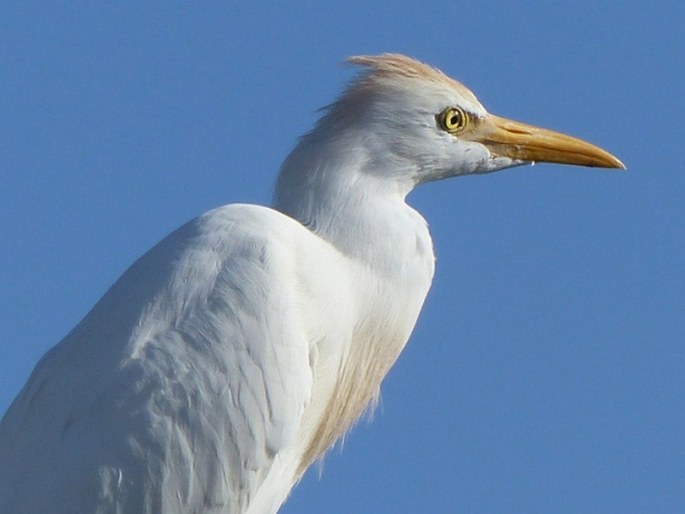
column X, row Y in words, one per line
column 523, row 142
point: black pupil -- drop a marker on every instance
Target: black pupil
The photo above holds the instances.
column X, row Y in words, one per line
column 454, row 119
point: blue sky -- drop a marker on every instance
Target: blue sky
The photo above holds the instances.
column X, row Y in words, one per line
column 547, row 371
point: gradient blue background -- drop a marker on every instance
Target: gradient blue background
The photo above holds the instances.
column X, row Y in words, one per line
column 547, row 371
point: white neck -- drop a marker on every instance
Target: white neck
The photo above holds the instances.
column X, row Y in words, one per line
column 335, row 188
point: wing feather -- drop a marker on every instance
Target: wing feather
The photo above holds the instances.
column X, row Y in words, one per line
column 180, row 389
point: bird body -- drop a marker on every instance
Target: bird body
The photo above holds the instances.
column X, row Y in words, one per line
column 201, row 397
column 239, row 349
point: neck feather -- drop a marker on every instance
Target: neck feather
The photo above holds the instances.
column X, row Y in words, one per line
column 334, row 187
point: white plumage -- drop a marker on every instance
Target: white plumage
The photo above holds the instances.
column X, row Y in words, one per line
column 236, row 351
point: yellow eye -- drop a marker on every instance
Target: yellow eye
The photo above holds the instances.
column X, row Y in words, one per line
column 453, row 119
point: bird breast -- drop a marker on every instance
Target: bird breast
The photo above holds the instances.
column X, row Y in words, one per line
column 349, row 365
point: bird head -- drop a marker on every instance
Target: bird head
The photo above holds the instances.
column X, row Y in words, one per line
column 401, row 123
column 421, row 125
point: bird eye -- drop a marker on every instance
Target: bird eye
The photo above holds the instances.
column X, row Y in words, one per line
column 452, row 119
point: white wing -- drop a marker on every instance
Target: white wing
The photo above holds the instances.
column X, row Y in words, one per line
column 181, row 389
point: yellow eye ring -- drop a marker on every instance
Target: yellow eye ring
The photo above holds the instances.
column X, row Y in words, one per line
column 453, row 119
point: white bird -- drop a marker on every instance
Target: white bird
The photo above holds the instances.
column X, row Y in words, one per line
column 240, row 348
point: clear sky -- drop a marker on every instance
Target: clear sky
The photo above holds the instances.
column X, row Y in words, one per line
column 547, row 371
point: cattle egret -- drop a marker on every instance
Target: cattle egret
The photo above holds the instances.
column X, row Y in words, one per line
column 240, row 348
